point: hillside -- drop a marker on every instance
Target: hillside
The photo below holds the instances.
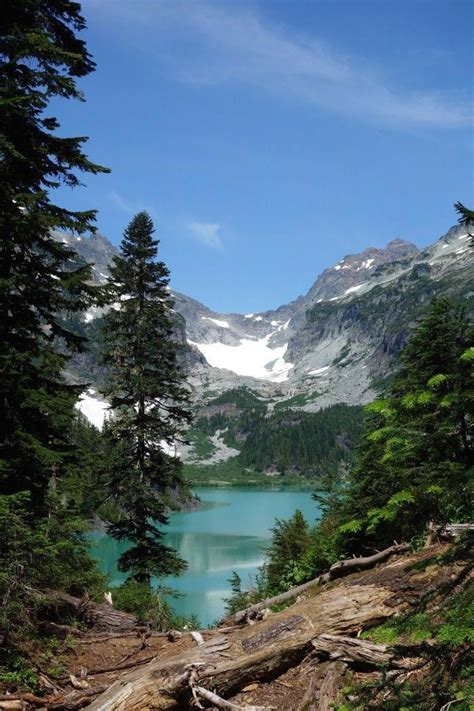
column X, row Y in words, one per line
column 336, row 345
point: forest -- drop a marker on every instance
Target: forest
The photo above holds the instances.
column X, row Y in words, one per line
column 409, row 478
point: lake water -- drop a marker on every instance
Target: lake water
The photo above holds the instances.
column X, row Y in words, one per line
column 228, row 533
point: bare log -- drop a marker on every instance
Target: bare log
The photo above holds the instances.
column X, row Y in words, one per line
column 338, row 570
column 102, row 617
column 354, row 565
column 451, row 530
column 353, row 650
column 272, row 646
column 331, row 685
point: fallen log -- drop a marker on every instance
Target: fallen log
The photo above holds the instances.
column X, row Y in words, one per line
column 451, row 530
column 353, row 650
column 338, row 570
column 353, row 565
column 331, row 686
column 270, row 647
column 101, row 617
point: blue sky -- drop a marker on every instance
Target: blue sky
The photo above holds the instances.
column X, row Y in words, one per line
column 269, row 139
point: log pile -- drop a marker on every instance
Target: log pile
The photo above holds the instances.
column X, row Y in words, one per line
column 319, row 633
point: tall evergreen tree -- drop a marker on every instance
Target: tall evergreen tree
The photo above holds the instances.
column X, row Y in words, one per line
column 40, row 59
column 149, row 401
column 415, row 463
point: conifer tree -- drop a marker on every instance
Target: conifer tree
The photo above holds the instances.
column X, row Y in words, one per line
column 40, row 283
column 40, row 59
column 415, row 463
column 149, row 401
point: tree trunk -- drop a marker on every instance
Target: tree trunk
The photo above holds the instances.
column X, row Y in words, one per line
column 263, row 651
column 338, row 570
column 101, row 617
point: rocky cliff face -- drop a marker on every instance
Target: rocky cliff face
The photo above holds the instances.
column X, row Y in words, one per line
column 337, row 342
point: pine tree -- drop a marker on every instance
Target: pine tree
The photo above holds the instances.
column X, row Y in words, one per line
column 149, row 401
column 415, row 463
column 40, row 285
column 40, row 59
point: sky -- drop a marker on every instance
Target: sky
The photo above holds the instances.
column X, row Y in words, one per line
column 268, row 139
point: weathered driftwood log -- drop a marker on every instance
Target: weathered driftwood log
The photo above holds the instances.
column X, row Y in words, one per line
column 271, row 646
column 451, row 530
column 98, row 616
column 353, row 565
column 359, row 651
column 338, row 570
column 331, row 686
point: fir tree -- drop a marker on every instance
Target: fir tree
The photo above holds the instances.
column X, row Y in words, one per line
column 415, row 463
column 40, row 59
column 149, row 401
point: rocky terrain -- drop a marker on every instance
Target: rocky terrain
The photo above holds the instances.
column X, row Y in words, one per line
column 336, row 344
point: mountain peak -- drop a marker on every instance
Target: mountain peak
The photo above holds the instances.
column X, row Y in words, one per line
column 402, row 245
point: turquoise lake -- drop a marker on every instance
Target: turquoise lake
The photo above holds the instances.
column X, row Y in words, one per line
column 228, row 533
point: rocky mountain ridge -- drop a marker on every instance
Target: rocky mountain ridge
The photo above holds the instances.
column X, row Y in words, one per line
column 335, row 343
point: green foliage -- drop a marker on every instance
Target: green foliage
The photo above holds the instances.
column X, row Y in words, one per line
column 232, row 473
column 288, row 560
column 149, row 402
column 203, row 447
column 16, row 674
column 150, row 606
column 414, row 461
column 240, row 599
column 311, row 443
column 38, row 554
column 314, row 445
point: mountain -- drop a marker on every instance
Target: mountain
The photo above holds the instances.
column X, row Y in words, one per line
column 337, row 344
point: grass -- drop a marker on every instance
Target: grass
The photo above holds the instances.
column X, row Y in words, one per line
column 203, row 447
column 231, row 473
column 296, row 401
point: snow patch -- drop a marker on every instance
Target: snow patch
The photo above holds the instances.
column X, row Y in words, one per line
column 337, row 267
column 319, row 371
column 249, row 315
column 170, row 449
column 368, row 264
column 354, row 288
column 222, row 324
column 463, row 236
column 258, row 318
column 92, row 408
column 255, row 359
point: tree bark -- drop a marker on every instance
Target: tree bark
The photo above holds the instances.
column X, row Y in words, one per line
column 359, row 652
column 331, row 686
column 338, row 570
column 270, row 647
column 101, row 617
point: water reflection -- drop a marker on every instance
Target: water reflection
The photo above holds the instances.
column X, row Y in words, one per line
column 228, row 534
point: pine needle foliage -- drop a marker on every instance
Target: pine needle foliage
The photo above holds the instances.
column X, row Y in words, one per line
column 41, row 285
column 40, row 59
column 149, row 401
column 415, row 462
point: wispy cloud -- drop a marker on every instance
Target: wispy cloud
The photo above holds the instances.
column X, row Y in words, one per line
column 131, row 207
column 207, row 233
column 224, row 43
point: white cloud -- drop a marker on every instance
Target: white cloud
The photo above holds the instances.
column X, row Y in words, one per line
column 207, row 233
column 228, row 43
column 131, row 207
